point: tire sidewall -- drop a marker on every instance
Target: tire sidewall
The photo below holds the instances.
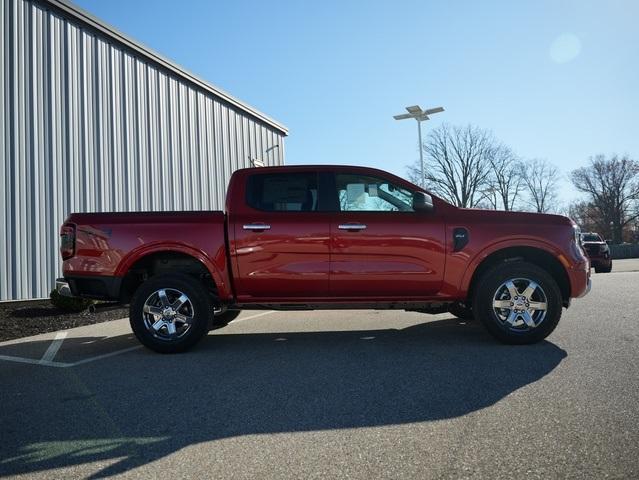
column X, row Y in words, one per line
column 461, row 311
column 227, row 316
column 492, row 280
column 603, row 269
column 197, row 295
column 223, row 319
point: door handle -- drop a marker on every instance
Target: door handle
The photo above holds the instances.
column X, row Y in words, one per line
column 256, row 226
column 352, row 226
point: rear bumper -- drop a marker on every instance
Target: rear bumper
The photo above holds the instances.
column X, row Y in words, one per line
column 90, row 286
column 62, row 287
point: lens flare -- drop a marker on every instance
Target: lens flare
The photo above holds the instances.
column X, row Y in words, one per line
column 564, row 48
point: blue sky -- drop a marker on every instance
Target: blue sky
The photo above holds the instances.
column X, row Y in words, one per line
column 553, row 79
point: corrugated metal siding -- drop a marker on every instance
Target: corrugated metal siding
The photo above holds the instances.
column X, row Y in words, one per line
column 88, row 125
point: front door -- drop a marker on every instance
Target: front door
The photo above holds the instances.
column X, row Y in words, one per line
column 380, row 248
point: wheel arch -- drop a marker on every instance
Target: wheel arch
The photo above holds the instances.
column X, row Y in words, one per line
column 541, row 256
column 140, row 265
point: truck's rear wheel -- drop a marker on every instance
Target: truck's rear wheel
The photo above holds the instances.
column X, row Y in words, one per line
column 169, row 313
column 518, row 302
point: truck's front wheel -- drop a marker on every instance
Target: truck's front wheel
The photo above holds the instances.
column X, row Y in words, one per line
column 461, row 311
column 518, row 302
column 169, row 313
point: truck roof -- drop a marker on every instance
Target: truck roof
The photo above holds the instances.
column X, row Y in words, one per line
column 313, row 167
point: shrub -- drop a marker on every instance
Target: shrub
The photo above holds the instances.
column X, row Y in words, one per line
column 69, row 304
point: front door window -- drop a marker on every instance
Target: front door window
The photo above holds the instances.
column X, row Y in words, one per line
column 362, row 193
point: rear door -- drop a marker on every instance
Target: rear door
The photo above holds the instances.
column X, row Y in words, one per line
column 380, row 248
column 281, row 238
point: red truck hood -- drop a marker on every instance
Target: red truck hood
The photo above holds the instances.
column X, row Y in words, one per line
column 500, row 216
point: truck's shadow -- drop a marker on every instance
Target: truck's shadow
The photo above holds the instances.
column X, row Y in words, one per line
column 142, row 406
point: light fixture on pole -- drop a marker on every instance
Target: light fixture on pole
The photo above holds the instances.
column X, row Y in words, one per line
column 420, row 115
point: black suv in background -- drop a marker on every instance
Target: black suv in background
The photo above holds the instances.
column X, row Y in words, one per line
column 598, row 252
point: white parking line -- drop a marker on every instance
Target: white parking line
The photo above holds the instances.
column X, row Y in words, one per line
column 106, row 355
column 33, row 361
column 251, row 317
column 49, row 363
column 51, row 352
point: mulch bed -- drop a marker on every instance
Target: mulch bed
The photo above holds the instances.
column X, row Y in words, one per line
column 32, row 317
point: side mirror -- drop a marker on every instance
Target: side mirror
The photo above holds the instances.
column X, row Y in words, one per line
column 422, row 202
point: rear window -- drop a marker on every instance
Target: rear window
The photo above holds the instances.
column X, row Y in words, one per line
column 283, row 192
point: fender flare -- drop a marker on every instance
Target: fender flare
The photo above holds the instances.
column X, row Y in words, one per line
column 139, row 253
column 519, row 242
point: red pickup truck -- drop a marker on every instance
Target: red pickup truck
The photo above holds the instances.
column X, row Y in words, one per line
column 325, row 237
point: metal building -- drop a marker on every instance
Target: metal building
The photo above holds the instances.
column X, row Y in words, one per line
column 92, row 121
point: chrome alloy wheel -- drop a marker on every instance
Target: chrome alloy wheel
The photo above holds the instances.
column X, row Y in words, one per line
column 520, row 304
column 168, row 314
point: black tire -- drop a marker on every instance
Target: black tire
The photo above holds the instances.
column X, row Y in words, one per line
column 462, row 311
column 603, row 269
column 223, row 319
column 198, row 309
column 493, row 282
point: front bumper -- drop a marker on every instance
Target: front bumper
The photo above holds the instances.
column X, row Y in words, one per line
column 579, row 277
column 588, row 287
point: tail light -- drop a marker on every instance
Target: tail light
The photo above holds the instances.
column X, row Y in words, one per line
column 67, row 240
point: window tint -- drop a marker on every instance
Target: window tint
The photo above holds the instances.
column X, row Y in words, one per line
column 371, row 194
column 283, row 192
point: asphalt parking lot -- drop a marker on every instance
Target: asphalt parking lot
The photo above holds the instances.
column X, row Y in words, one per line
column 339, row 394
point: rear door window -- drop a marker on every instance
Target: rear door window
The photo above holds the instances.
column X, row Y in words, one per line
column 283, row 192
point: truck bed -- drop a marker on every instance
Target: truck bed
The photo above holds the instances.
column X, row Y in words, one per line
column 108, row 244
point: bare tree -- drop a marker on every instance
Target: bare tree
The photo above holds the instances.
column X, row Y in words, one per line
column 457, row 164
column 588, row 218
column 612, row 186
column 540, row 181
column 505, row 182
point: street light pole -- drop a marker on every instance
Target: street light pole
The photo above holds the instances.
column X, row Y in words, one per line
column 420, row 115
column 421, row 151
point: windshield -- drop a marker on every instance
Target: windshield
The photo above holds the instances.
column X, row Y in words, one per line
column 590, row 237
